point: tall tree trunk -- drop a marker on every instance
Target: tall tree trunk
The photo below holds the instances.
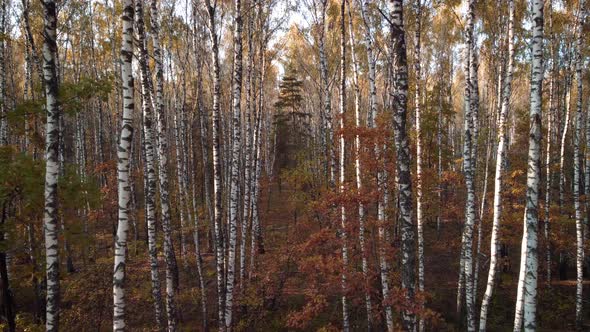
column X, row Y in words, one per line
column 568, row 83
column 343, row 231
column 526, row 303
column 439, row 145
column 235, row 160
column 419, row 193
column 330, row 144
column 381, row 176
column 3, row 101
column 466, row 273
column 248, row 155
column 358, row 170
column 170, row 258
column 548, row 157
column 219, row 254
column 500, row 160
column 123, row 168
column 149, row 163
column 398, row 100
column 578, row 173
column 52, row 133
column 257, row 240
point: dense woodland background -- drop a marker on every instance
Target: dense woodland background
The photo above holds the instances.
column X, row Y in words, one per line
column 267, row 165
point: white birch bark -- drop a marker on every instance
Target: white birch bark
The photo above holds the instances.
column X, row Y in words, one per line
column 500, row 159
column 123, row 169
column 219, row 255
column 162, row 139
column 183, row 209
column 564, row 132
column 526, row 305
column 343, row 231
column 248, row 153
column 149, row 163
column 235, row 159
column 381, row 176
column 577, row 173
column 52, row 135
column 3, row 99
column 398, row 100
column 330, row 144
column 466, row 263
column 548, row 152
column 419, row 193
column 439, row 144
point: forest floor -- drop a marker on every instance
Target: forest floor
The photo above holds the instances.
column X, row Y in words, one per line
column 282, row 288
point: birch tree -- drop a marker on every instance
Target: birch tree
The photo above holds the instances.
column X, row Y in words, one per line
column 327, row 99
column 358, row 169
column 149, row 163
column 162, row 139
column 419, row 193
column 381, row 185
column 52, row 134
column 526, row 302
column 123, row 154
column 343, row 231
column 219, row 255
column 498, row 177
column 548, row 153
column 248, row 155
column 3, row 67
column 398, row 99
column 236, row 147
column 578, row 173
column 466, row 260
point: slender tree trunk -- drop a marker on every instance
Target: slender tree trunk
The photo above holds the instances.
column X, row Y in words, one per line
column 564, row 131
column 548, row 159
column 439, row 144
column 219, row 254
column 419, row 193
column 235, row 179
column 480, row 217
column 52, row 133
column 381, row 178
column 526, row 303
column 331, row 153
column 466, row 264
column 358, row 171
column 181, row 170
column 343, row 231
column 149, row 163
column 500, row 160
column 204, row 142
column 577, row 174
column 31, row 41
column 123, row 168
column 257, row 240
column 248, row 156
column 3, row 60
column 398, row 99
column 171, row 266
